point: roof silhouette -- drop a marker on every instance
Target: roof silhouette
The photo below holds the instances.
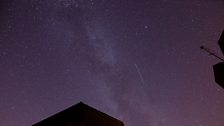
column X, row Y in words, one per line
column 80, row 115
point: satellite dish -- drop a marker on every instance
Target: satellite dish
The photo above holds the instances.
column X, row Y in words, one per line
column 218, row 68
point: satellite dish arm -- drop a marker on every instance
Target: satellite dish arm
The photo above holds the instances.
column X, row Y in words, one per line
column 211, row 53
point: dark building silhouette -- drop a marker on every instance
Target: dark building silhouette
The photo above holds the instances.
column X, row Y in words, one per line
column 221, row 42
column 80, row 115
column 219, row 68
column 219, row 73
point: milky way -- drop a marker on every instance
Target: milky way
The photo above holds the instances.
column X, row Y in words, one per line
column 138, row 61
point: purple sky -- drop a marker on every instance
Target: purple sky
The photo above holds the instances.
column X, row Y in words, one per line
column 136, row 60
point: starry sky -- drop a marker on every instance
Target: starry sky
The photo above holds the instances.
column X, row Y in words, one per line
column 136, row 60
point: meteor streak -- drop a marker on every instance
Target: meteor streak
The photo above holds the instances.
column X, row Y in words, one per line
column 140, row 74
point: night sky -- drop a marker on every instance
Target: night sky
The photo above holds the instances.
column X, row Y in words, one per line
column 136, row 60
